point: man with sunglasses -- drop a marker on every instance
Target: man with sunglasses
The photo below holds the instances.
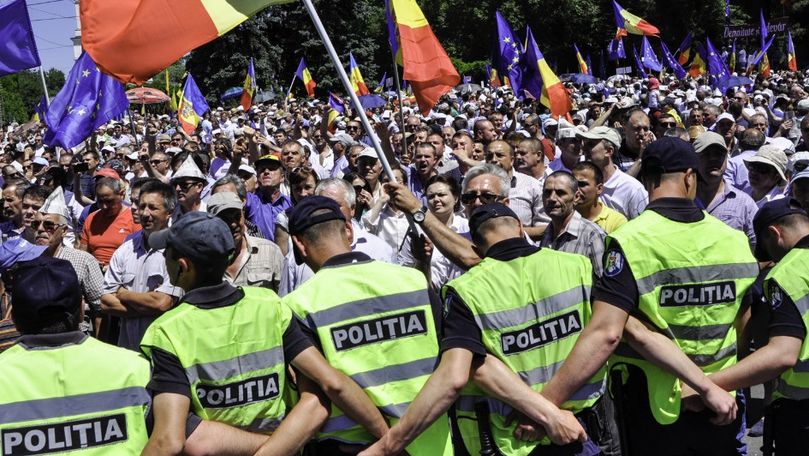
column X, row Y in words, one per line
column 263, row 205
column 257, row 262
column 188, row 183
column 51, row 223
column 767, row 173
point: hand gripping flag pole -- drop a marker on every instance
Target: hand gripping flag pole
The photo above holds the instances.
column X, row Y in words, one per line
column 341, row 72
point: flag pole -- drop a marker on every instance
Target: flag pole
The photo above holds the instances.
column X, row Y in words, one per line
column 341, row 72
column 399, row 95
column 44, row 87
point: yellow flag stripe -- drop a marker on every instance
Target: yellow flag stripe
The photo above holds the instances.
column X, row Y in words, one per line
column 226, row 15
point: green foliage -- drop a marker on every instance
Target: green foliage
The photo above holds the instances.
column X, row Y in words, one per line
column 21, row 92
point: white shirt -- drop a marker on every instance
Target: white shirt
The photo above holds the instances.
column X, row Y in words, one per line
column 625, row 194
column 138, row 270
column 525, row 199
column 389, row 225
column 442, row 269
column 293, row 275
column 775, row 194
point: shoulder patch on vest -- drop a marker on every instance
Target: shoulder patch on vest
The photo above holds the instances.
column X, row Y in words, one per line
column 776, row 296
column 614, row 263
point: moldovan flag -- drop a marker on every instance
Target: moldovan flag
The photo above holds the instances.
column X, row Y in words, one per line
column 306, row 77
column 629, row 23
column 698, row 66
column 192, row 106
column 357, row 82
column 685, row 49
column 134, row 40
column 792, row 60
column 583, row 69
column 426, row 65
column 249, row 87
column 553, row 93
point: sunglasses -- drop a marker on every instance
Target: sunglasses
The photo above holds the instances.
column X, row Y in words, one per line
column 485, row 198
column 760, row 168
column 46, row 224
column 668, row 124
column 184, row 186
column 156, row 162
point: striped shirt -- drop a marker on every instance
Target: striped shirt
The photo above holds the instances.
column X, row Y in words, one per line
column 580, row 236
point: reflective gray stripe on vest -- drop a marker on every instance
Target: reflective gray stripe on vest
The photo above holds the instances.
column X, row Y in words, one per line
column 239, row 365
column 626, row 351
column 58, row 407
column 467, row 403
column 540, row 374
column 533, row 311
column 395, row 373
column 792, row 392
column 803, row 304
column 344, row 423
column 263, row 425
column 699, row 332
column 704, row 360
column 370, row 306
column 697, row 274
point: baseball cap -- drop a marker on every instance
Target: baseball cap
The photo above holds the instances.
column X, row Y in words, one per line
column 268, row 160
column 709, row 139
column 45, row 290
column 773, row 156
column 301, row 218
column 782, row 143
column 669, row 155
column 801, row 175
column 725, row 116
column 368, row 152
column 601, row 132
column 563, row 133
column 196, row 235
column 223, row 201
column 768, row 214
column 163, row 138
column 247, row 169
column 798, row 162
column 803, row 105
column 107, row 172
column 487, row 212
column 40, row 161
column 18, row 249
column 344, row 139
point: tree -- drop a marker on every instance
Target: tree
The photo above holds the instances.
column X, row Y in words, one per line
column 21, row 92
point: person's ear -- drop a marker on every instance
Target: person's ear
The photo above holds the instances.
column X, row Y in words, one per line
column 349, row 231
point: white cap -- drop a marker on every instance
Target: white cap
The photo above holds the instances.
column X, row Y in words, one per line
column 368, row 152
column 55, row 204
column 799, row 157
column 782, row 143
column 725, row 116
column 40, row 161
column 247, row 169
column 188, row 169
column 132, row 156
column 566, row 133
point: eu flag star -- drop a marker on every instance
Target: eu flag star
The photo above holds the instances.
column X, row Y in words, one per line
column 506, row 40
column 85, row 73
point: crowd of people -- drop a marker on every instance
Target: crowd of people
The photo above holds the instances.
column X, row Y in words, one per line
column 609, row 282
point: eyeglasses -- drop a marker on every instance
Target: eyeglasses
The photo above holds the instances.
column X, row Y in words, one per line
column 485, row 198
column 358, row 188
column 156, row 162
column 46, row 225
column 668, row 124
column 353, row 127
column 184, row 186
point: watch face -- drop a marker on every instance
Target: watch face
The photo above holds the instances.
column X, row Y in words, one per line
column 418, row 216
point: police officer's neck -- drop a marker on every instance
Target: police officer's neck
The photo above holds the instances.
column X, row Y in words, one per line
column 323, row 252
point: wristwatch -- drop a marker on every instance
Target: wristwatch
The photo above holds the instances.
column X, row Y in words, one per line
column 418, row 216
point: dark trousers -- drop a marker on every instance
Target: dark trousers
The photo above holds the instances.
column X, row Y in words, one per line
column 790, row 427
column 691, row 435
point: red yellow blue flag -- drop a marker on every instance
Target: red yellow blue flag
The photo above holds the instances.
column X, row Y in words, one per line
column 306, row 77
column 249, row 87
column 629, row 23
column 357, row 82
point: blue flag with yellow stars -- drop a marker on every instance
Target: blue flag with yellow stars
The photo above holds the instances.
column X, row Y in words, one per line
column 509, row 55
column 88, row 100
column 18, row 50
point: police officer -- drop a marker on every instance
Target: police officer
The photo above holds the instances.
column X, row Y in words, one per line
column 684, row 274
column 499, row 309
column 374, row 321
column 222, row 353
column 64, row 391
column 782, row 230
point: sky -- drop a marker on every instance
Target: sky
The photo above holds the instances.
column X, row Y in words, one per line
column 54, row 22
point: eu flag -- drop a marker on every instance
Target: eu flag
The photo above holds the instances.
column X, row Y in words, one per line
column 510, row 55
column 88, row 100
column 616, row 49
column 647, row 56
column 671, row 62
column 18, row 51
column 716, row 67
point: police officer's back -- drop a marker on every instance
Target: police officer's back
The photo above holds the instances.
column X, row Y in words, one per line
column 66, row 391
column 374, row 321
column 684, row 273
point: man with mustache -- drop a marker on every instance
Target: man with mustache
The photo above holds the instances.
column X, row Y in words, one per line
column 568, row 230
